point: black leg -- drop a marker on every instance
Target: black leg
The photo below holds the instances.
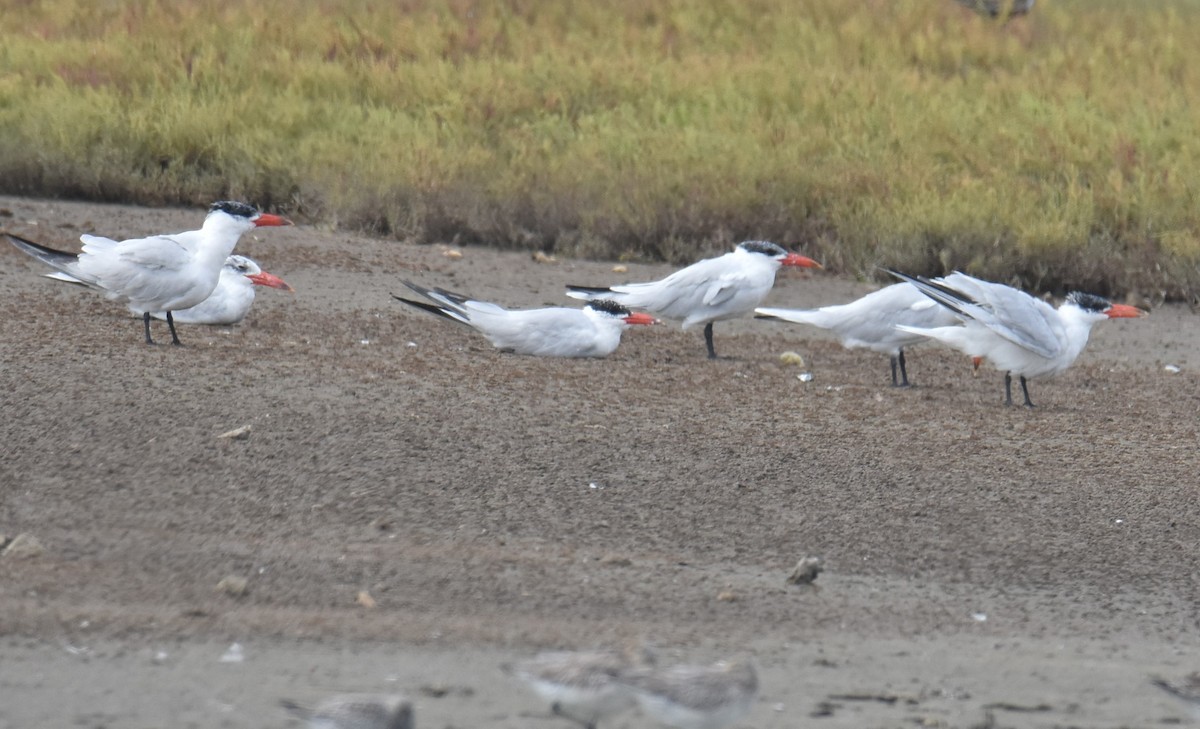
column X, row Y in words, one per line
column 171, row 324
column 1025, row 389
column 894, row 382
column 146, row 323
column 1008, row 389
column 903, row 370
column 712, row 352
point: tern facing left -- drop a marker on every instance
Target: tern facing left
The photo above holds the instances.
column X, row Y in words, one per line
column 163, row 272
column 593, row 331
column 1013, row 331
column 714, row 289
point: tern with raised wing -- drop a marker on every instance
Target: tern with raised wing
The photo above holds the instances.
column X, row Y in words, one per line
column 593, row 331
column 163, row 272
column 229, row 302
column 707, row 291
column 870, row 322
column 1011, row 330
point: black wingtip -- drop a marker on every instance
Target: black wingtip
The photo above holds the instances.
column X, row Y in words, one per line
column 951, row 298
column 589, row 289
column 415, row 287
column 436, row 293
column 49, row 256
column 425, row 306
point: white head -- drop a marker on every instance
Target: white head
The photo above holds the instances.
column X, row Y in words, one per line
column 245, row 268
column 776, row 253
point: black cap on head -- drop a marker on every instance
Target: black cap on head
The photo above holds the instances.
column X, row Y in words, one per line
column 765, row 247
column 608, row 306
column 1088, row 302
column 232, row 207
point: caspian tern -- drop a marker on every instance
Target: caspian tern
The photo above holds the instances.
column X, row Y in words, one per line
column 160, row 273
column 707, row 291
column 1012, row 330
column 871, row 321
column 229, row 302
column 593, row 331
column 696, row 697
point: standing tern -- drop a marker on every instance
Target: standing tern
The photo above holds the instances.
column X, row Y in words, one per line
column 1012, row 330
column 229, row 302
column 594, row 331
column 871, row 321
column 160, row 273
column 707, row 291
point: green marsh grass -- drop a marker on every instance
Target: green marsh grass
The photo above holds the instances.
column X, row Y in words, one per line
column 1061, row 150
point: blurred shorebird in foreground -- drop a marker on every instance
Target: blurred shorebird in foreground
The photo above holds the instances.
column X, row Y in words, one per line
column 696, row 697
column 583, row 686
column 355, row 711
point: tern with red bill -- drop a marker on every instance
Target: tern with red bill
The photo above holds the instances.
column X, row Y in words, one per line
column 593, row 331
column 1011, row 330
column 229, row 302
column 871, row 321
column 162, row 273
column 707, row 291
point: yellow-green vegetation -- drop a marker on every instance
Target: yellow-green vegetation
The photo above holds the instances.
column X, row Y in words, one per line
column 1061, row 149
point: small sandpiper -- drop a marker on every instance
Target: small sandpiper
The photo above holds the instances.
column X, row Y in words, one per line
column 356, row 711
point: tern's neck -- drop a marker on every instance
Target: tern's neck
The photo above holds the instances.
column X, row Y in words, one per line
column 218, row 237
column 1078, row 327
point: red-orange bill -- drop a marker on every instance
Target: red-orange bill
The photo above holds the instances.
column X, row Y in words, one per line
column 265, row 219
column 1122, row 311
column 795, row 259
column 638, row 317
column 270, row 279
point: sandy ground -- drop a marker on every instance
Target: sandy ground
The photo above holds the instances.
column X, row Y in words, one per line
column 1036, row 566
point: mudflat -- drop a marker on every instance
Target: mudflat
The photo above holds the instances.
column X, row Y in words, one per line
column 410, row 508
